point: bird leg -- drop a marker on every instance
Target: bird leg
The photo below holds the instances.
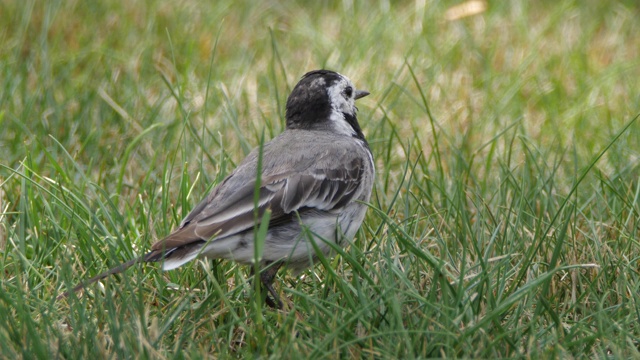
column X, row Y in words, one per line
column 266, row 280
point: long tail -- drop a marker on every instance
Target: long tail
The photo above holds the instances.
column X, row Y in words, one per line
column 152, row 256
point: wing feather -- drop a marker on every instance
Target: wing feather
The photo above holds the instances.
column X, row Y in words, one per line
column 319, row 184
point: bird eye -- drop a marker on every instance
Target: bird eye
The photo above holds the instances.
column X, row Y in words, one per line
column 348, row 91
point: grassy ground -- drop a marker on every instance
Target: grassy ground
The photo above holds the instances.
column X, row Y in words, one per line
column 505, row 216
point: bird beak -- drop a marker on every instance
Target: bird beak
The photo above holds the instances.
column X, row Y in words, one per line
column 361, row 94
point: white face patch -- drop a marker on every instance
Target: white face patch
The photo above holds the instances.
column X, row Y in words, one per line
column 341, row 104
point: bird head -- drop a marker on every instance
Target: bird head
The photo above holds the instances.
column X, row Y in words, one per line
column 324, row 100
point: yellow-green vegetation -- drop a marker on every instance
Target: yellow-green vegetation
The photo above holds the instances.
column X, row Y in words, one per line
column 505, row 215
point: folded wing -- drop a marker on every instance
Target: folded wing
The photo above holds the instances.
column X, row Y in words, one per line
column 231, row 207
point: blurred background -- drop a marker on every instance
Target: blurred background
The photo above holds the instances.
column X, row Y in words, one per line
column 504, row 220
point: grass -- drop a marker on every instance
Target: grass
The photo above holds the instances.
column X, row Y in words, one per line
column 505, row 215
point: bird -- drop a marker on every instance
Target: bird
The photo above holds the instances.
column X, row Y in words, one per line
column 315, row 179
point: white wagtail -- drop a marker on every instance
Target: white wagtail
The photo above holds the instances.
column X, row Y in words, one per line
column 315, row 178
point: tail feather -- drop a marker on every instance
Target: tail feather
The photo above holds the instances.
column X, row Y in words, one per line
column 152, row 256
column 175, row 257
column 180, row 256
column 172, row 258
